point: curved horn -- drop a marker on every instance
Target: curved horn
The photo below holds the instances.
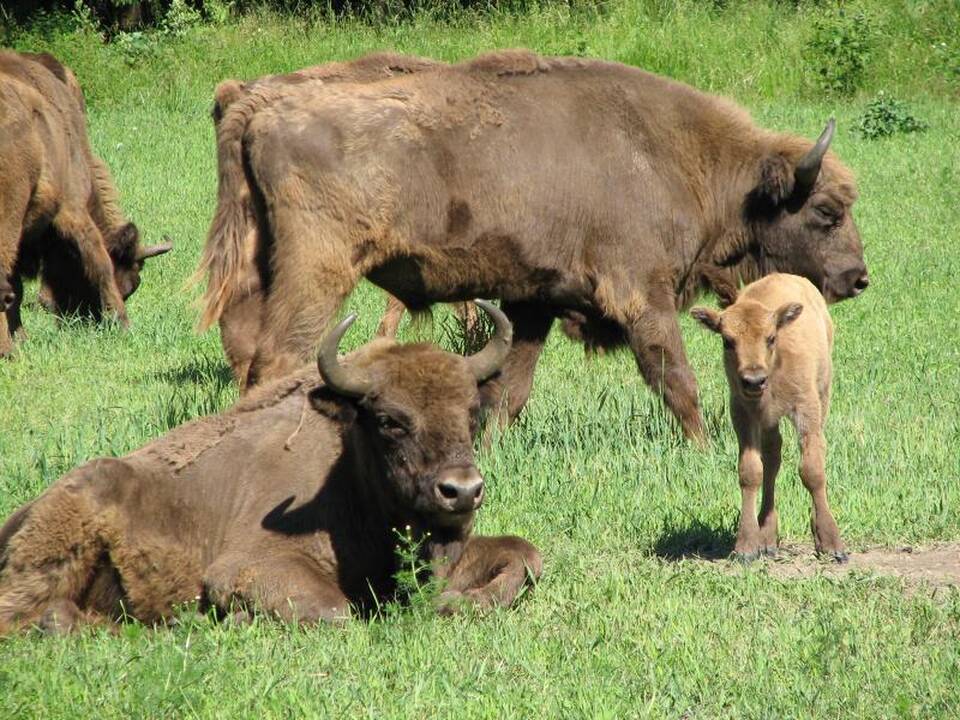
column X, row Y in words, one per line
column 343, row 381
column 808, row 168
column 154, row 250
column 488, row 360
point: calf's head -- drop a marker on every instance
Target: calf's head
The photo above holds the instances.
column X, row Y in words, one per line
column 749, row 330
column 800, row 217
column 417, row 408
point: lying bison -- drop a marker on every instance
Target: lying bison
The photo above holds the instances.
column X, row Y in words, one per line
column 288, row 504
column 58, row 206
column 555, row 184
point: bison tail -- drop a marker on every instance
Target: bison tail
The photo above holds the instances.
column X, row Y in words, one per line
column 228, row 256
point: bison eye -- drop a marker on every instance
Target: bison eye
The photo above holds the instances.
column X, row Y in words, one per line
column 828, row 214
column 771, row 340
column 390, row 426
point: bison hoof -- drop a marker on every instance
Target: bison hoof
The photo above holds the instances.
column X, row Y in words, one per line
column 838, row 556
column 745, row 558
column 770, row 551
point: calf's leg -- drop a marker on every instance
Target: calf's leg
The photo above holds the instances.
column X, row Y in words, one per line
column 771, row 443
column 240, row 325
column 391, row 318
column 287, row 586
column 490, row 573
column 751, row 473
column 826, row 534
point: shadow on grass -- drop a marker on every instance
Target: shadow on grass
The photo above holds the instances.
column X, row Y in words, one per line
column 200, row 371
column 697, row 540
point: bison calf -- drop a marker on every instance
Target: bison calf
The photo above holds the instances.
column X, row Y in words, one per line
column 288, row 503
column 778, row 338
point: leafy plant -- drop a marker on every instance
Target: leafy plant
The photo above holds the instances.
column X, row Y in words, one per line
column 839, row 49
column 885, row 116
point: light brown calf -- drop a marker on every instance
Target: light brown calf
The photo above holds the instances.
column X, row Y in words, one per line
column 778, row 338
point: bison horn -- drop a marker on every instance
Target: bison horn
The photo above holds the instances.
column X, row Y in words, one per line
column 489, row 360
column 808, row 168
column 343, row 381
column 154, row 250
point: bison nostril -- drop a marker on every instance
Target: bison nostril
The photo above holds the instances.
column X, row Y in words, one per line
column 862, row 283
column 448, row 491
column 8, row 299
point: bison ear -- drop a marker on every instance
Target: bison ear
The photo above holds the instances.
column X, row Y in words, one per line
column 776, row 180
column 336, row 407
column 787, row 313
column 709, row 318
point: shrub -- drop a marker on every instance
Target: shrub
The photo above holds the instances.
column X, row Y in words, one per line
column 885, row 116
column 839, row 49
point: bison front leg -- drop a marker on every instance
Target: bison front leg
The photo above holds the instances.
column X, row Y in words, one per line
column 490, row 573
column 506, row 395
column 288, row 587
column 771, row 443
column 658, row 348
column 391, row 318
column 79, row 228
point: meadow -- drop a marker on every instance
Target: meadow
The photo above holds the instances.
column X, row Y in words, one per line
column 638, row 613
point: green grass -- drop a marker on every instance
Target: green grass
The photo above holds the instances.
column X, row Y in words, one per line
column 593, row 474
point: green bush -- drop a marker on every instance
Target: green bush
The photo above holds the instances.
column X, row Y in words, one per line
column 839, row 49
column 885, row 116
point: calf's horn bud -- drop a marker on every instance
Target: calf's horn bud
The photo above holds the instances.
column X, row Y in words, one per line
column 348, row 382
column 489, row 360
column 808, row 168
column 154, row 250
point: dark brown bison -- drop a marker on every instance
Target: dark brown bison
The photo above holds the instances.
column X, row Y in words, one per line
column 289, row 503
column 555, row 184
column 58, row 206
column 239, row 317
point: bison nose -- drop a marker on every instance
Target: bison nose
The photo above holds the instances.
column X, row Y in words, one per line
column 460, row 489
column 861, row 284
column 753, row 383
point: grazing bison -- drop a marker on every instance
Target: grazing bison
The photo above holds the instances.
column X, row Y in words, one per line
column 555, row 184
column 289, row 503
column 777, row 338
column 58, row 206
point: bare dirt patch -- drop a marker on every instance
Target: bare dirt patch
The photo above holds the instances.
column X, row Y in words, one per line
column 936, row 565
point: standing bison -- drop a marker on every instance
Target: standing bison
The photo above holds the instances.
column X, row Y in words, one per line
column 58, row 206
column 559, row 185
column 288, row 504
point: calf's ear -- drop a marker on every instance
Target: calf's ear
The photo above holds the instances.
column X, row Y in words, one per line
column 787, row 313
column 709, row 318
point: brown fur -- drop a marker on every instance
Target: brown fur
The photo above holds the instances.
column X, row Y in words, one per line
column 778, row 333
column 285, row 504
column 554, row 184
column 58, row 208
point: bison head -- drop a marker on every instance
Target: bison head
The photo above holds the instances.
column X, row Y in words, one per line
column 801, row 220
column 416, row 409
column 67, row 290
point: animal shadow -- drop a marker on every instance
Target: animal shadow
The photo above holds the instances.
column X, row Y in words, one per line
column 696, row 540
column 199, row 371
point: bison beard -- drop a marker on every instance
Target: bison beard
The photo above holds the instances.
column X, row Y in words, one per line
column 287, row 504
column 558, row 185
